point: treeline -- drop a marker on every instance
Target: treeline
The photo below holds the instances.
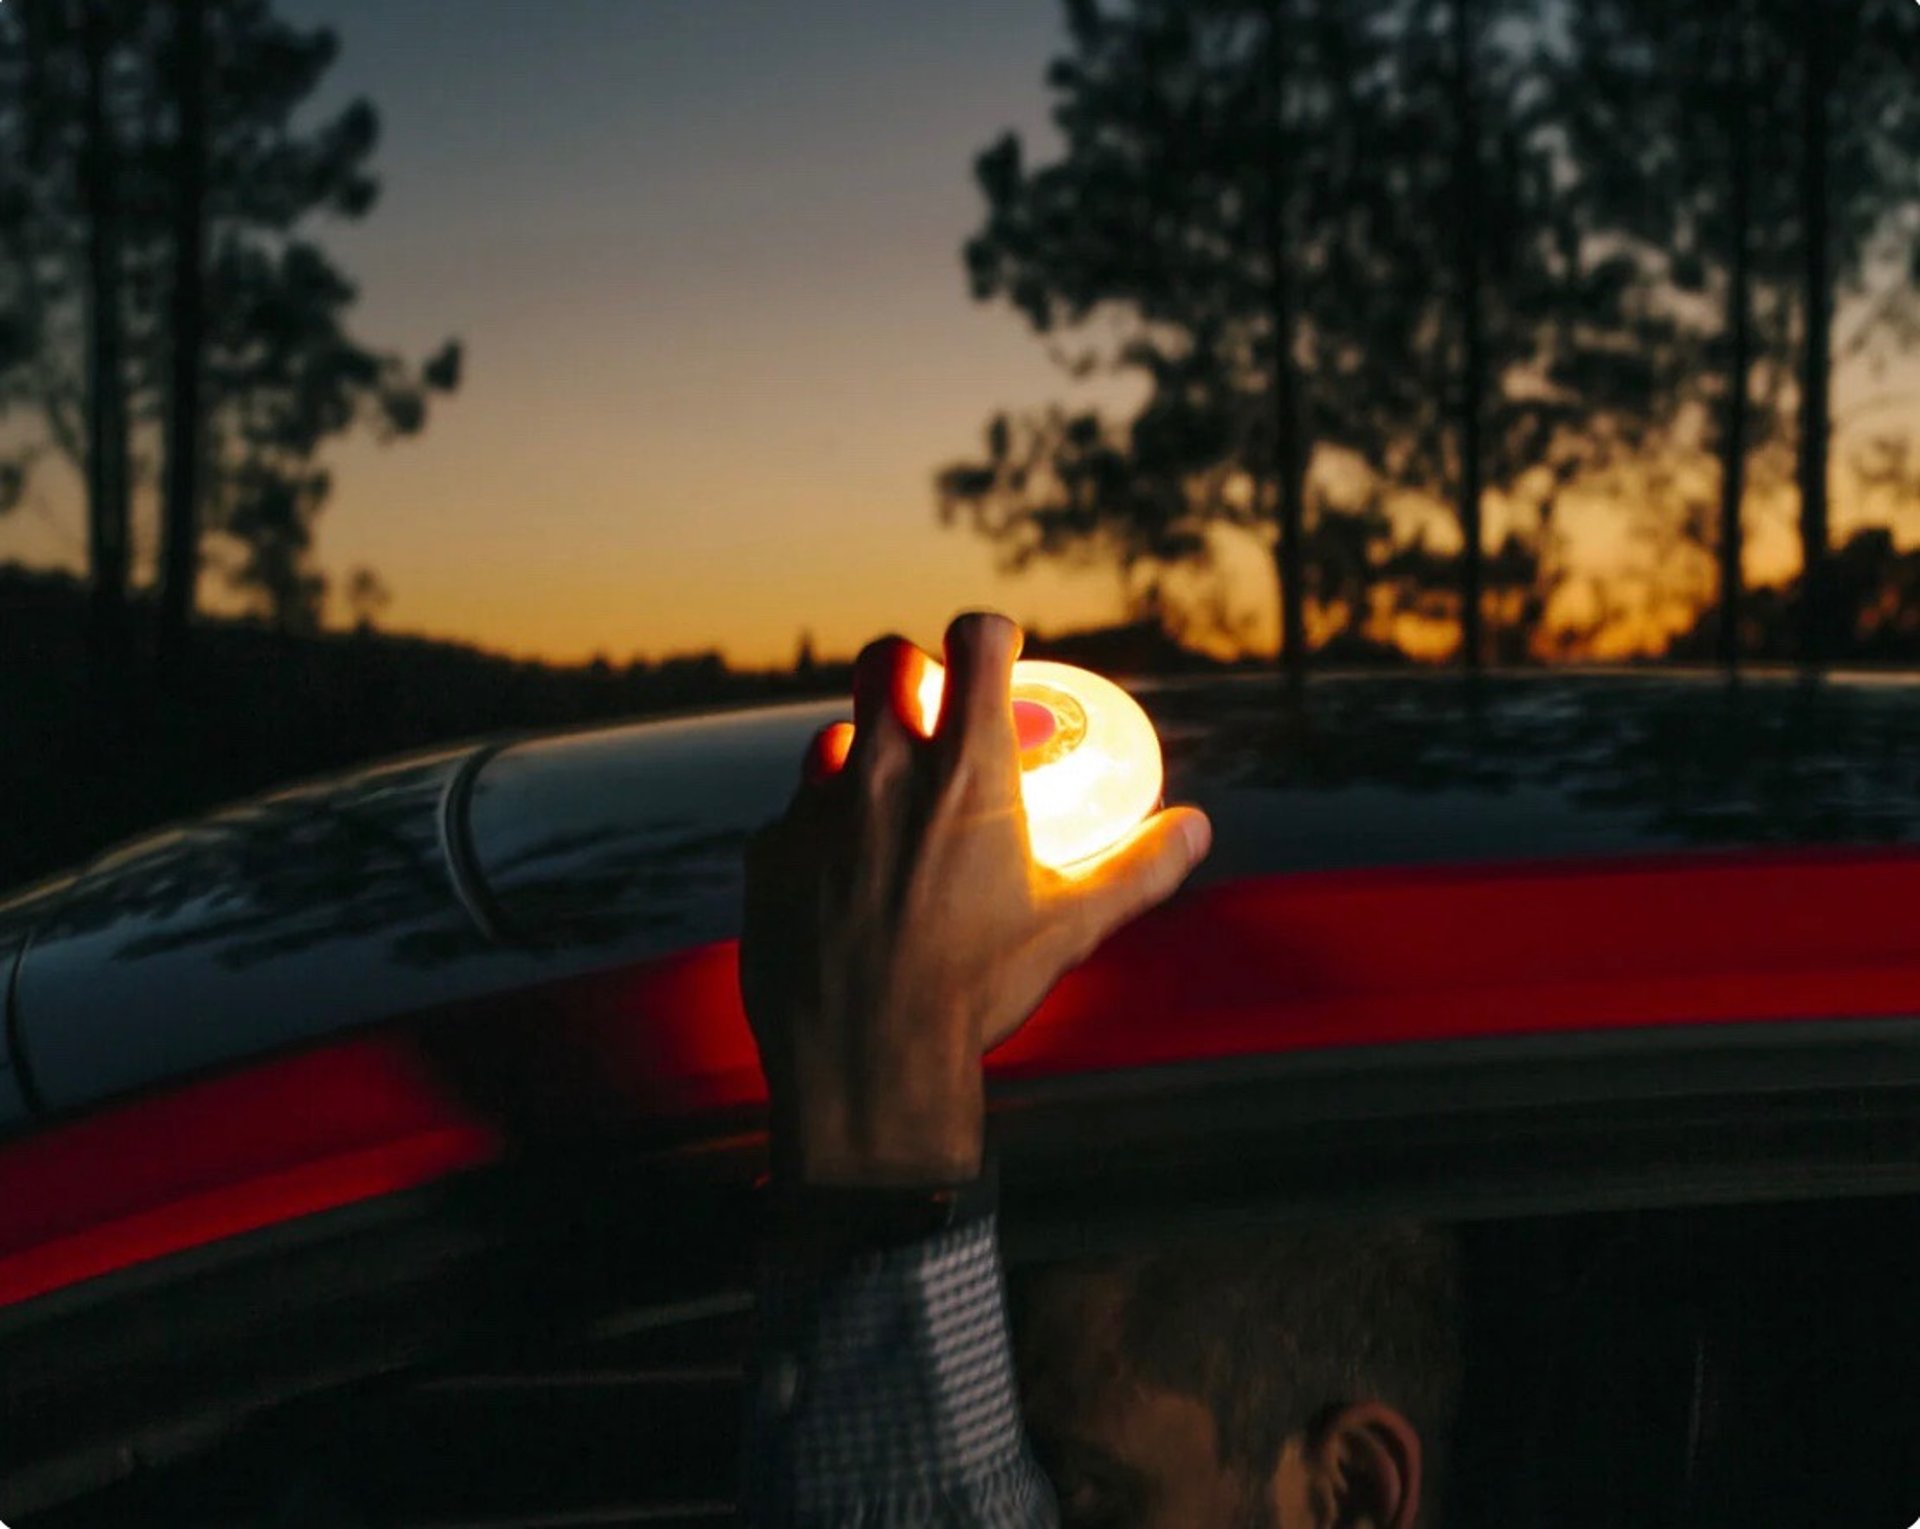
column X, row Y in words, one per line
column 170, row 325
column 272, row 706
column 1404, row 282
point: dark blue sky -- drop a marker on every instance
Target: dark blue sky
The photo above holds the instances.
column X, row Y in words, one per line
column 706, row 258
column 706, row 254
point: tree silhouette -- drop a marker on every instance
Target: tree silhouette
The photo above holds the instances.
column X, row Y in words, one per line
column 235, row 320
column 187, row 335
column 1338, row 245
column 1671, row 126
column 63, row 220
column 1217, row 213
column 1762, row 152
column 1859, row 148
column 1532, row 366
column 367, row 597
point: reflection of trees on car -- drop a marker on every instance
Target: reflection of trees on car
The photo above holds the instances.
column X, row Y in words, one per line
column 1642, row 761
column 1547, row 765
column 308, row 867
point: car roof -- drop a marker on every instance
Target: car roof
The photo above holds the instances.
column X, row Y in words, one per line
column 484, row 870
column 635, row 832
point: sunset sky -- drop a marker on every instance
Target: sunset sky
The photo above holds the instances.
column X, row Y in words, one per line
column 705, row 260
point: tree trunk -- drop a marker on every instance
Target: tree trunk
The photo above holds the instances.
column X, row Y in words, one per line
column 1289, row 477
column 180, row 558
column 1816, row 594
column 107, row 488
column 1473, row 357
column 1733, row 437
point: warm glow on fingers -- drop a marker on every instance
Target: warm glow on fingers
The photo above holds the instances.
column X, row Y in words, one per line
column 836, row 742
column 1090, row 769
column 932, row 682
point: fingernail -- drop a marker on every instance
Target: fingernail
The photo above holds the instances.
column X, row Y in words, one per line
column 1199, row 835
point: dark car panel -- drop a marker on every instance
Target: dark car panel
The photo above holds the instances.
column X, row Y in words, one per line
column 505, row 1289
column 309, row 911
column 630, row 837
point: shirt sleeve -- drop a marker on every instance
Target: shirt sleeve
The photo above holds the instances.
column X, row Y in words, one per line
column 883, row 1394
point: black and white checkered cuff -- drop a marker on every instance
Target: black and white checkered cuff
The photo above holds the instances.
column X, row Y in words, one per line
column 885, row 1394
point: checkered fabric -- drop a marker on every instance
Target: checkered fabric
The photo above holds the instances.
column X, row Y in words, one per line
column 884, row 1395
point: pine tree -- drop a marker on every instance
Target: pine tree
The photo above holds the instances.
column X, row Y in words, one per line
column 219, row 326
column 1216, row 205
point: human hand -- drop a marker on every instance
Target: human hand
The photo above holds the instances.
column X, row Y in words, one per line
column 897, row 927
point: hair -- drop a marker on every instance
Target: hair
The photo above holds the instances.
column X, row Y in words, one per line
column 1279, row 1331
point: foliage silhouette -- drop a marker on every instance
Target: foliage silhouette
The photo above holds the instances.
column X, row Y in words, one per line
column 1371, row 259
column 195, row 224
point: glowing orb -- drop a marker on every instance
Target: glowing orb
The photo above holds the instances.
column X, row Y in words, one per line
column 1089, row 758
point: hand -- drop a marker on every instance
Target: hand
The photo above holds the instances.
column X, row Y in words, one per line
column 897, row 927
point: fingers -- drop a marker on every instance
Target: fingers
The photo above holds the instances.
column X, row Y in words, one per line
column 886, row 681
column 976, row 709
column 1144, row 871
column 827, row 753
column 884, row 692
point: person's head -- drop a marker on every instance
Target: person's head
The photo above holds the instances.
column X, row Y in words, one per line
column 1303, row 1380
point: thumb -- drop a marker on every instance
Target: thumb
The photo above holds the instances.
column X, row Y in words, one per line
column 1141, row 873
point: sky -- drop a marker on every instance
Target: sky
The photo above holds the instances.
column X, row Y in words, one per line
column 704, row 256
column 705, row 259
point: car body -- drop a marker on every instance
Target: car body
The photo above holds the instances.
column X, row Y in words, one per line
column 397, row 1085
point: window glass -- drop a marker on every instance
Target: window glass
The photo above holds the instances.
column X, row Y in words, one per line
column 1727, row 1366
column 1708, row 1367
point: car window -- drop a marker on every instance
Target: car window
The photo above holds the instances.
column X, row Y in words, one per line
column 1663, row 1278
column 1729, row 1365
column 1702, row 1366
column 634, row 1421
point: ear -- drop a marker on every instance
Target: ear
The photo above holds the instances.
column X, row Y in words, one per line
column 1365, row 1468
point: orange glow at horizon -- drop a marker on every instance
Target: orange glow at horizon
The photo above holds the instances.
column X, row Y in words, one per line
column 720, row 340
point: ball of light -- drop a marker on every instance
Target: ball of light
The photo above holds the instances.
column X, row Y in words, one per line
column 1090, row 767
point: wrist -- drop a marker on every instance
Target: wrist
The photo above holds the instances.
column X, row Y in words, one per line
column 832, row 1146
column 833, row 1160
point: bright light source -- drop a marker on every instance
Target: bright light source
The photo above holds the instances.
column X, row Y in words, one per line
column 1089, row 758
